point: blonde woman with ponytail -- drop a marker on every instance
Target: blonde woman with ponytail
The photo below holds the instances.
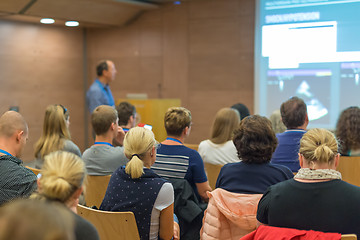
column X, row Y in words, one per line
column 138, row 189
column 317, row 198
column 62, row 179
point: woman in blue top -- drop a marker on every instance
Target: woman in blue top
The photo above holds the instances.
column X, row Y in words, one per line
column 255, row 142
column 138, row 189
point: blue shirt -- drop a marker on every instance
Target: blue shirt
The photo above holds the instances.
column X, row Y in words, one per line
column 251, row 178
column 287, row 150
column 179, row 162
column 99, row 94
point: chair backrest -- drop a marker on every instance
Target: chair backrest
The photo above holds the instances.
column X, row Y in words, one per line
column 34, row 170
column 348, row 237
column 95, row 190
column 212, row 172
column 111, row 225
column 350, row 168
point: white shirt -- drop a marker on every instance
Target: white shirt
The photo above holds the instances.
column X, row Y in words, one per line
column 164, row 199
column 218, row 154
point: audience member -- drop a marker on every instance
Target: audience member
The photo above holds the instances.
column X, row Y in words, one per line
column 55, row 135
column 127, row 115
column 242, row 109
column 255, row 142
column 150, row 197
column 62, row 178
column 276, row 122
column 99, row 92
column 348, row 131
column 220, row 149
column 15, row 180
column 35, row 220
column 295, row 118
column 174, row 160
column 103, row 158
column 316, row 199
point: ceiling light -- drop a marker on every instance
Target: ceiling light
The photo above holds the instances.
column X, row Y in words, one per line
column 47, row 20
column 72, row 23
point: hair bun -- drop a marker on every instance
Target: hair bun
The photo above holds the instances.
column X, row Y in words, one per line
column 323, row 152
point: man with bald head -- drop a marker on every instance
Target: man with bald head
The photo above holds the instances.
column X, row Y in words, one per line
column 15, row 180
column 99, row 92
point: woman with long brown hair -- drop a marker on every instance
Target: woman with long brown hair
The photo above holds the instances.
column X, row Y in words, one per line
column 55, row 135
column 220, row 149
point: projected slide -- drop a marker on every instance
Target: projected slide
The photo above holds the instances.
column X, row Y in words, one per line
column 309, row 49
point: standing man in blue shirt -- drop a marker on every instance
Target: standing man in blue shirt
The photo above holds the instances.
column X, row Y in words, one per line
column 99, row 92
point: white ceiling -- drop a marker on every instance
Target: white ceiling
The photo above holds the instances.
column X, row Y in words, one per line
column 90, row 13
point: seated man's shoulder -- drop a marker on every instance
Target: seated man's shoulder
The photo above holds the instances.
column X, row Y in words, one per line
column 103, row 151
column 12, row 171
column 192, row 154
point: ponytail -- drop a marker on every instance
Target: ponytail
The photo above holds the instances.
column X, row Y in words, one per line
column 138, row 142
column 135, row 167
column 62, row 174
column 319, row 145
column 323, row 153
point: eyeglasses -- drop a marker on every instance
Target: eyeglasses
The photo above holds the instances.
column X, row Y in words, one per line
column 157, row 145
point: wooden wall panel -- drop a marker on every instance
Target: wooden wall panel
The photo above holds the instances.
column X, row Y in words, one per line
column 212, row 9
column 175, row 58
column 208, row 37
column 41, row 65
column 200, row 52
column 219, row 72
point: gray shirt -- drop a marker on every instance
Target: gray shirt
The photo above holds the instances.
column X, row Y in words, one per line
column 103, row 160
column 69, row 146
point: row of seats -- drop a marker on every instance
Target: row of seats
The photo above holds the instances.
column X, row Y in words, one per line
column 112, row 225
column 349, row 167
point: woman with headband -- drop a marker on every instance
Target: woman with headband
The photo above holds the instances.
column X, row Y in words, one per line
column 55, row 135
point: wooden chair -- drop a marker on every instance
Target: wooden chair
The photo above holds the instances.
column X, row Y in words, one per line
column 111, row 225
column 348, row 237
column 34, row 170
column 350, row 168
column 95, row 189
column 212, row 172
column 192, row 146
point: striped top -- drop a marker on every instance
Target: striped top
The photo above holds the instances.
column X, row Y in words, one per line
column 179, row 162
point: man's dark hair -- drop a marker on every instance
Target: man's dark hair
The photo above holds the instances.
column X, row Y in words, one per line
column 125, row 111
column 102, row 118
column 255, row 140
column 101, row 67
column 242, row 109
column 293, row 112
